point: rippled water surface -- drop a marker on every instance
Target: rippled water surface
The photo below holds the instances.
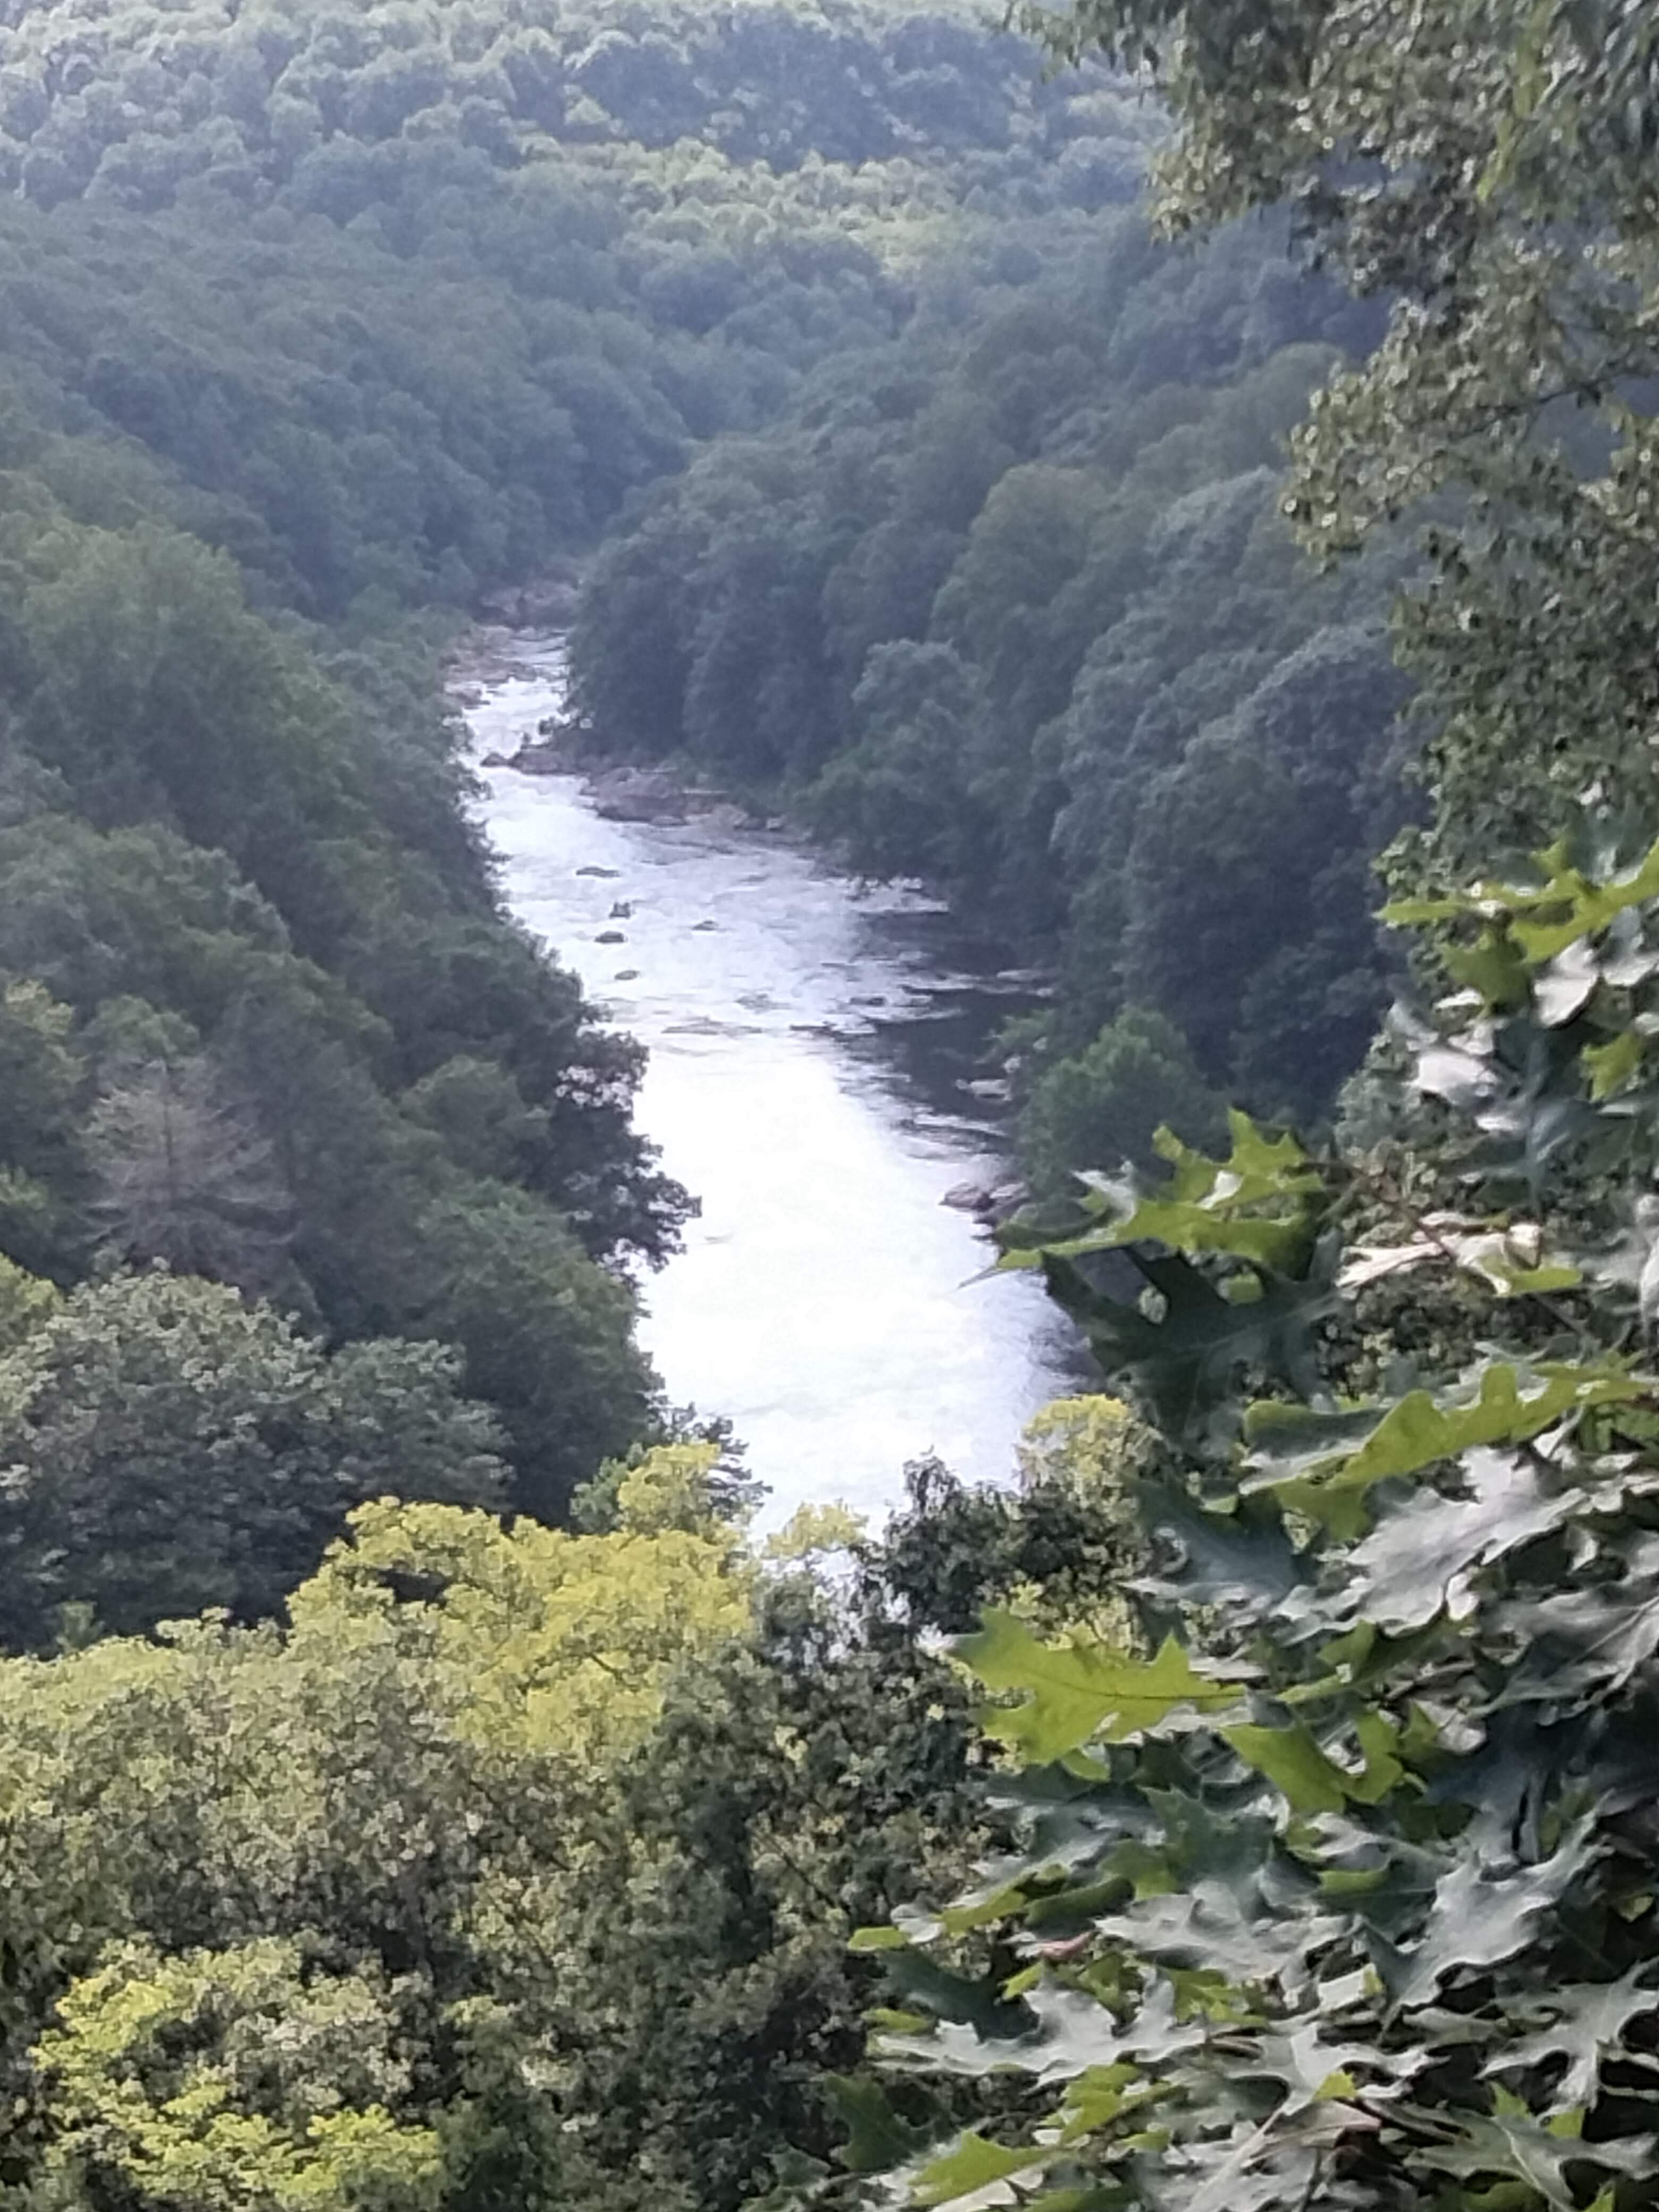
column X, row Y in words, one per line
column 809, row 1048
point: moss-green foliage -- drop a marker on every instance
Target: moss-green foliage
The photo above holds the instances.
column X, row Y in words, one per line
column 221, row 2079
column 1342, row 1897
column 516, row 1869
column 303, row 1892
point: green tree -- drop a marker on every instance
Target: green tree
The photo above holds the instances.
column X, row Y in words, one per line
column 169, row 1449
column 898, row 802
column 42, row 1075
column 360, row 1843
column 1487, row 167
column 42, row 1078
column 219, row 2080
column 161, row 692
column 1287, row 797
column 546, row 1335
column 1108, row 1102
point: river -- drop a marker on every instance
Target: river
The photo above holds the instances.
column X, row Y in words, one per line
column 810, row 1049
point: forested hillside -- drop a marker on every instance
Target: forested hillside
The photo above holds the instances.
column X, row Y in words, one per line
column 311, row 318
column 1009, row 605
column 1334, row 1886
column 263, row 1020
column 477, row 1863
column 399, row 306
column 419, row 294
column 419, row 1789
column 131, row 103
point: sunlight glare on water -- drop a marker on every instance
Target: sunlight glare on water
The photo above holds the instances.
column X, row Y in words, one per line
column 800, row 1084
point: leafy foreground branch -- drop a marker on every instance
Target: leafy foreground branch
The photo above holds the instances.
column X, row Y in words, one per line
column 1337, row 1880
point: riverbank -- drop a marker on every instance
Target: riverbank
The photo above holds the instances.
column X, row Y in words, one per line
column 496, row 654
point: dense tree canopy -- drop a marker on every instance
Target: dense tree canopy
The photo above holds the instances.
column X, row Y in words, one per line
column 573, row 1831
column 168, row 1450
column 396, row 305
column 1487, row 167
column 949, row 611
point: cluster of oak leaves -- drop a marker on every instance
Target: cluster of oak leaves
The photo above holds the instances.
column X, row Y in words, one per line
column 1338, row 1882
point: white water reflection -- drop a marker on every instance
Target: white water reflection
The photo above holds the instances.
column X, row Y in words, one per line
column 801, row 1083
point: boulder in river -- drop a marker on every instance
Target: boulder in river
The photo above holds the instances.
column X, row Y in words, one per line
column 611, row 937
column 969, row 1197
column 592, row 869
column 723, row 814
column 542, row 756
column 639, row 794
column 545, row 603
column 987, row 1202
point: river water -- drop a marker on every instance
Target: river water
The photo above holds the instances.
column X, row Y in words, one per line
column 810, row 1046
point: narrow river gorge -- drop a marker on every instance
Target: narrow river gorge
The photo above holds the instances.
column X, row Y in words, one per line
column 810, row 1049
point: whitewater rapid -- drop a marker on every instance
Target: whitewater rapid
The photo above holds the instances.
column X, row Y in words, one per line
column 810, row 1048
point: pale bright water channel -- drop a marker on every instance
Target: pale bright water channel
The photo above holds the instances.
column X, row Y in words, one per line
column 810, row 1048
